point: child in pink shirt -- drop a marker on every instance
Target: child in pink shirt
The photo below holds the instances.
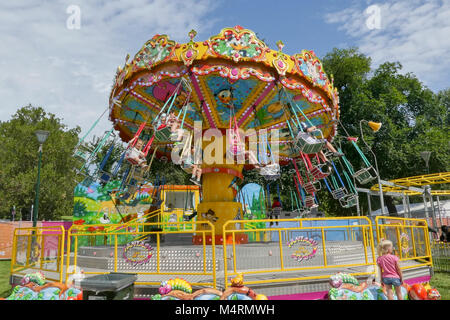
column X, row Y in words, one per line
column 390, row 271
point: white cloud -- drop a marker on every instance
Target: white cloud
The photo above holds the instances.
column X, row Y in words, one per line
column 70, row 72
column 414, row 32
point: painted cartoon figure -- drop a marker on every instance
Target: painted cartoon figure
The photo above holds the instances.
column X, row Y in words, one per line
column 210, row 216
column 225, row 96
column 238, row 281
column 313, row 70
column 423, row 291
column 180, row 289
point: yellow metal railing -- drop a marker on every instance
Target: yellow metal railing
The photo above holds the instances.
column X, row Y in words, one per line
column 30, row 249
column 143, row 218
column 364, row 224
column 410, row 238
column 75, row 232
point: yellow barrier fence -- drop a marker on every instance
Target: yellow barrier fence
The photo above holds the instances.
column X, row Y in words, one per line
column 157, row 263
column 146, row 217
column 39, row 249
column 410, row 238
column 293, row 251
column 307, row 249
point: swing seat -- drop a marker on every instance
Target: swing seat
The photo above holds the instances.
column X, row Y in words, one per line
column 133, row 157
column 105, row 176
column 348, row 201
column 271, row 171
column 125, row 196
column 276, row 211
column 339, row 193
column 304, row 213
column 187, row 169
column 87, row 182
column 133, row 182
column 133, row 203
column 139, row 173
column 235, row 150
column 82, row 155
column 83, row 152
column 174, row 135
column 309, row 202
column 364, row 175
column 306, row 143
column 187, row 165
column 318, row 173
column 81, row 171
column 188, row 216
column 133, row 161
column 132, row 189
column 312, row 187
column 163, row 134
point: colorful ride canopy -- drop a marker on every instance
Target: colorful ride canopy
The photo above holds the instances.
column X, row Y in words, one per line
column 230, row 74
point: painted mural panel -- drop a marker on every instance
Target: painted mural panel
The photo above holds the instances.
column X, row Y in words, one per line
column 94, row 204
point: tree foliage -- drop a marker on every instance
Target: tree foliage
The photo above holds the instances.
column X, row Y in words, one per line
column 19, row 162
column 414, row 118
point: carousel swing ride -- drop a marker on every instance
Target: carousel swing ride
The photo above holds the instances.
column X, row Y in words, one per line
column 224, row 105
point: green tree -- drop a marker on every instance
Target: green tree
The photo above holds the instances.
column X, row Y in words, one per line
column 169, row 172
column 19, row 159
column 79, row 209
column 414, row 119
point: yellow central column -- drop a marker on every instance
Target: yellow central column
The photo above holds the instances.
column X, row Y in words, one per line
column 218, row 205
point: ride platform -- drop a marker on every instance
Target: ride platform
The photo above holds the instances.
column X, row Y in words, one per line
column 260, row 263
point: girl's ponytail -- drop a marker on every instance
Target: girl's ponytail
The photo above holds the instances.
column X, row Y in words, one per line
column 384, row 246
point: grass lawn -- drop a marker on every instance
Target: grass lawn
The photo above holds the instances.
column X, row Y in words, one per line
column 5, row 288
column 441, row 281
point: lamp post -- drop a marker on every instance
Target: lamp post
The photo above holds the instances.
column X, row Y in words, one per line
column 41, row 136
column 427, row 193
column 375, row 126
column 426, row 157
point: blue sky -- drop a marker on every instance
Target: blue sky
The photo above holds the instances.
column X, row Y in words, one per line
column 299, row 24
column 70, row 71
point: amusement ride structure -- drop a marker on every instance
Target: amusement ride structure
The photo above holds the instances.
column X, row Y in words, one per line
column 216, row 108
column 232, row 82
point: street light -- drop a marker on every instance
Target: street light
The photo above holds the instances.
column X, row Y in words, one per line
column 375, row 126
column 41, row 136
column 426, row 157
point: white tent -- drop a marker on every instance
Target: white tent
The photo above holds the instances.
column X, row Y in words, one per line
column 418, row 209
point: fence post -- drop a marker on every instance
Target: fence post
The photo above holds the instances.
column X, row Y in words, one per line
column 324, row 251
column 115, row 253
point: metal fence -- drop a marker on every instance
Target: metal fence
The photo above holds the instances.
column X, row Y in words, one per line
column 146, row 253
column 297, row 252
column 441, row 256
column 39, row 249
column 300, row 249
column 410, row 238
